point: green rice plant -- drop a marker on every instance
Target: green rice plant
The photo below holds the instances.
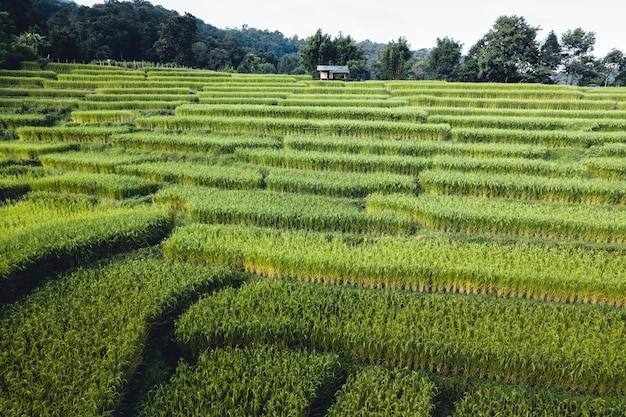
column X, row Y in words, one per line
column 71, row 347
column 611, row 150
column 611, row 168
column 433, row 101
column 544, row 344
column 536, row 137
column 413, row 148
column 103, row 162
column 103, row 116
column 262, row 381
column 171, row 72
column 185, row 173
column 230, row 100
column 329, row 90
column 332, row 101
column 37, row 208
column 337, row 184
column 27, row 73
column 509, row 166
column 571, row 190
column 438, row 85
column 312, row 160
column 528, row 113
column 56, row 243
column 496, row 93
column 17, row 81
column 69, row 133
column 359, row 128
column 44, row 92
column 12, row 121
column 185, row 97
column 523, row 400
column 68, row 67
column 142, row 91
column 621, row 106
column 110, row 186
column 281, row 210
column 378, row 391
column 509, row 216
column 515, row 122
column 102, row 76
column 563, row 274
column 31, row 150
column 130, row 105
column 12, row 188
column 34, row 105
column 352, row 113
column 213, row 142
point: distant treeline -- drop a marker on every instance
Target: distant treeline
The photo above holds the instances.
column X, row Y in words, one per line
column 123, row 31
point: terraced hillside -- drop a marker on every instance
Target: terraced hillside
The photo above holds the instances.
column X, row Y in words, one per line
column 185, row 242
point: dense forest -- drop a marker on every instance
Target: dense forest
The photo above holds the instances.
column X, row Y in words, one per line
column 137, row 31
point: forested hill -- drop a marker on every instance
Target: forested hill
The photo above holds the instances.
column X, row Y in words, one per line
column 133, row 31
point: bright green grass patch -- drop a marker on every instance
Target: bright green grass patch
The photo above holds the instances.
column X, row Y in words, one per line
column 572, row 190
column 312, row 160
column 493, row 215
column 31, row 150
column 70, row 134
column 413, row 148
column 262, row 381
column 520, row 341
column 281, row 210
column 337, row 184
column 70, row 347
column 203, row 142
column 559, row 274
column 185, row 173
column 103, row 162
column 110, row 185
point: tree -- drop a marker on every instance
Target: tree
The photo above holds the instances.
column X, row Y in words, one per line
column 611, row 65
column 509, row 51
column 176, row 39
column 394, row 60
column 321, row 49
column 577, row 48
column 444, row 59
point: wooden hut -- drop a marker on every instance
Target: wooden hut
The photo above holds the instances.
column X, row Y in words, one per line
column 333, row 72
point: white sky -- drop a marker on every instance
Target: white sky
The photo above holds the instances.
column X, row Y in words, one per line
column 421, row 23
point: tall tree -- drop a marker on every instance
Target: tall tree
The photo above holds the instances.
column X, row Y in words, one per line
column 321, row 49
column 445, row 58
column 612, row 64
column 509, row 52
column 394, row 60
column 550, row 59
column 577, row 49
column 176, row 39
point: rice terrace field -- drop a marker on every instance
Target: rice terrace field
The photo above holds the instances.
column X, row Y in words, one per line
column 194, row 243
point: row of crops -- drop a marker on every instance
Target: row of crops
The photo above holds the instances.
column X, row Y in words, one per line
column 186, row 242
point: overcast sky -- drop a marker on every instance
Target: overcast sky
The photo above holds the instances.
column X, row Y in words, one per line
column 421, row 23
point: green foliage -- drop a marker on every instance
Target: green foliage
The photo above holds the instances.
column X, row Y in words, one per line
column 337, row 184
column 185, row 173
column 260, row 381
column 394, row 60
column 311, row 160
column 212, row 142
column 516, row 270
column 281, row 210
column 70, row 347
column 572, row 190
column 445, row 58
column 505, row 340
column 493, row 215
column 405, row 393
